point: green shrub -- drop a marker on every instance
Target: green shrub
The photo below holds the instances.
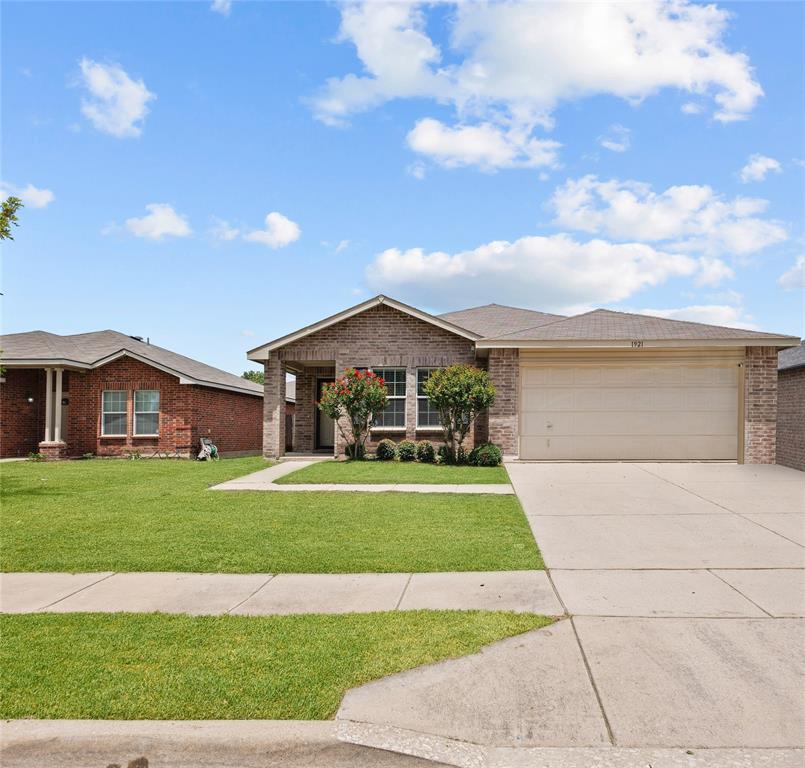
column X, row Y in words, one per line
column 406, row 450
column 425, row 452
column 34, row 456
column 485, row 455
column 386, row 450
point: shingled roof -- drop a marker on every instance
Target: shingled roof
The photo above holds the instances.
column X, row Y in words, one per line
column 493, row 320
column 89, row 350
column 607, row 325
column 791, row 358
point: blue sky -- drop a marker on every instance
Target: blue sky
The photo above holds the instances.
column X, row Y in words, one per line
column 556, row 156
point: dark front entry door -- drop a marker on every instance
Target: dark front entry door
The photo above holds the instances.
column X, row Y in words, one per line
column 325, row 426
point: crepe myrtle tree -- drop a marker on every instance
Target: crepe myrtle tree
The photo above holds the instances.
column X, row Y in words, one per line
column 460, row 393
column 357, row 395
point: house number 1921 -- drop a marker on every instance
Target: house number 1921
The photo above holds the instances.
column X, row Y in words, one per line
column 637, row 344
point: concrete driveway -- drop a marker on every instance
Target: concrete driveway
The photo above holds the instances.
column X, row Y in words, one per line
column 685, row 591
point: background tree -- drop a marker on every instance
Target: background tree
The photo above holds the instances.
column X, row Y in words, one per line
column 8, row 216
column 358, row 395
column 460, row 393
column 258, row 377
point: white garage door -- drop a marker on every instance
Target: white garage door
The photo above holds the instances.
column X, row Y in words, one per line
column 629, row 412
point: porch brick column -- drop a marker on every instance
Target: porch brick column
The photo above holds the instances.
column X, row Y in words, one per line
column 760, row 405
column 304, row 421
column 339, row 444
column 504, row 373
column 274, row 409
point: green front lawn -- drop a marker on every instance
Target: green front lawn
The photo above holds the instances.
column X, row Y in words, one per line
column 157, row 515
column 153, row 666
column 383, row 472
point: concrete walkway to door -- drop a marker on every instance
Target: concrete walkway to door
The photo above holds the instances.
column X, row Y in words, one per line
column 685, row 586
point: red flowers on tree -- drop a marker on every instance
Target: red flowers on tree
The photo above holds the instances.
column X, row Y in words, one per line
column 356, row 395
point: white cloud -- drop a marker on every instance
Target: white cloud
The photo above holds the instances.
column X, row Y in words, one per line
column 511, row 64
column 619, row 139
column 247, row 333
column 221, row 6
column 692, row 108
column 32, row 196
column 713, row 271
column 279, row 232
column 417, row 170
column 116, row 105
column 484, row 145
column 549, row 272
column 692, row 218
column 757, row 167
column 712, row 314
column 162, row 220
column 223, row 231
column 342, row 246
column 794, row 278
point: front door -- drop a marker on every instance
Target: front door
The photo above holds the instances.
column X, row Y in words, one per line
column 325, row 426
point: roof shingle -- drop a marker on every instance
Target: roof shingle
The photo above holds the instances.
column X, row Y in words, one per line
column 607, row 325
column 89, row 348
column 493, row 320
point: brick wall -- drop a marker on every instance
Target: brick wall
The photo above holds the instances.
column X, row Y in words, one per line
column 760, row 395
column 186, row 412
column 504, row 373
column 791, row 418
column 233, row 421
column 22, row 424
column 378, row 337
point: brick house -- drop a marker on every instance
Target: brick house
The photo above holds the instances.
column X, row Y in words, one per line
column 602, row 385
column 110, row 394
column 791, row 408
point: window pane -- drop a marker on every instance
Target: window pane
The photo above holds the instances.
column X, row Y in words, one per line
column 395, row 380
column 114, row 424
column 422, row 375
column 393, row 415
column 146, row 400
column 427, row 416
column 146, row 424
column 114, row 400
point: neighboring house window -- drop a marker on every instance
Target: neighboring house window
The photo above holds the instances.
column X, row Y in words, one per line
column 114, row 420
column 146, row 412
column 394, row 413
column 426, row 415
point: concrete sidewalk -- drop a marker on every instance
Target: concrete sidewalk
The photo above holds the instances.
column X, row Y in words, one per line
column 267, row 594
column 263, row 480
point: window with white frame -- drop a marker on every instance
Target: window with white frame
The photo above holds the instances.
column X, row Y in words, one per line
column 114, row 416
column 427, row 416
column 393, row 415
column 146, row 412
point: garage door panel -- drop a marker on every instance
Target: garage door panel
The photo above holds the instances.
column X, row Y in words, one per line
column 599, row 412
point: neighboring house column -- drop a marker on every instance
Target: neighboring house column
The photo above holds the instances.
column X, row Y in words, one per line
column 760, row 405
column 410, row 403
column 502, row 420
column 57, row 414
column 274, row 409
column 48, row 404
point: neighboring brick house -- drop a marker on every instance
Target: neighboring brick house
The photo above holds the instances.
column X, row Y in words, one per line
column 791, row 408
column 602, row 385
column 110, row 394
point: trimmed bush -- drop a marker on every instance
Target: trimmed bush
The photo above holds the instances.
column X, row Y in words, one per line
column 485, row 455
column 406, row 450
column 386, row 450
column 425, row 452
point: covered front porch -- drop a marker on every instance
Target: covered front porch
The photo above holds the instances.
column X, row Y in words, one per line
column 35, row 411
